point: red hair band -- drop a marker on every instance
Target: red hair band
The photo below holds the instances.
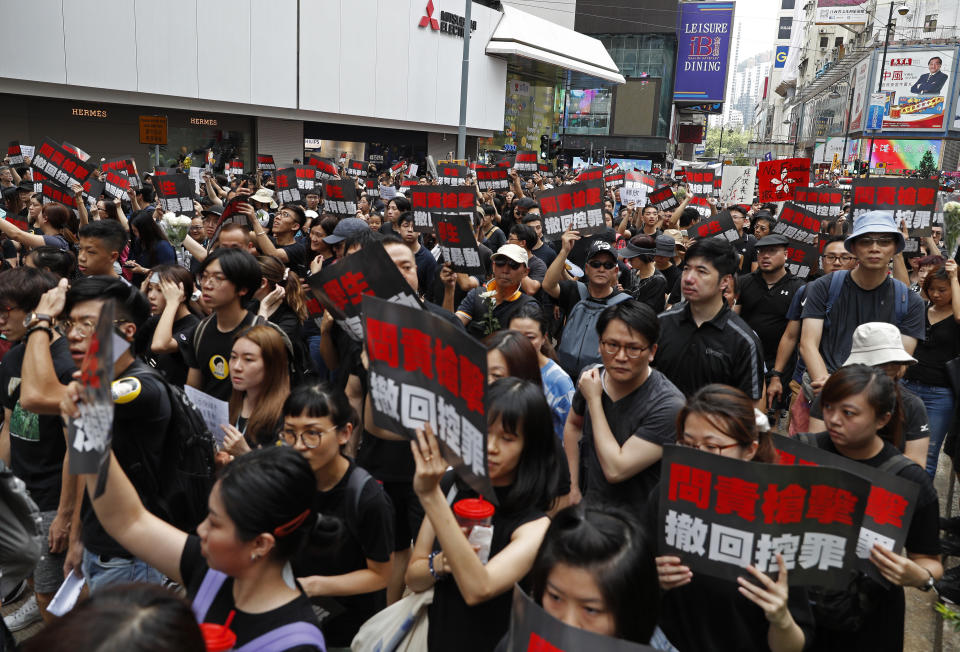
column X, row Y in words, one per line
column 292, row 524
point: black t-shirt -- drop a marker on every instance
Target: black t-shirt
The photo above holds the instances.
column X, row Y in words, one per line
column 765, row 309
column 651, row 290
column 494, row 239
column 746, row 247
column 141, row 418
column 37, row 443
column 855, row 306
column 427, row 268
column 211, row 355
column 474, row 307
column 672, row 274
column 247, row 626
column 297, row 257
column 545, row 253
column 172, row 365
column 453, row 624
column 368, row 534
column 916, row 423
column 650, row 413
column 941, row 344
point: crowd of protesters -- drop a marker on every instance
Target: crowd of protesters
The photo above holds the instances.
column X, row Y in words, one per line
column 602, row 349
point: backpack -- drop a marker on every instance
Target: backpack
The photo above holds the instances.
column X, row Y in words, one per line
column 580, row 345
column 847, row 609
column 187, row 470
column 900, row 305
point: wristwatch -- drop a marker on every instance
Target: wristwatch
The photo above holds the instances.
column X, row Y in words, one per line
column 926, row 586
column 35, row 317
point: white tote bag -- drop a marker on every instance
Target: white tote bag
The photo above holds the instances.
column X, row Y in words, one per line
column 401, row 627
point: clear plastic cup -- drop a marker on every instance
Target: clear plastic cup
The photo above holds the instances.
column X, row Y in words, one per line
column 475, row 517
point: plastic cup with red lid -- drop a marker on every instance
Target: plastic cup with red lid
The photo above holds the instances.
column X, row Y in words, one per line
column 475, row 517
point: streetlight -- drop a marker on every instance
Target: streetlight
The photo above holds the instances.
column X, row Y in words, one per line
column 902, row 10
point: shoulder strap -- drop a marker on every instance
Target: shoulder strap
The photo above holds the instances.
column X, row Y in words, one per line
column 581, row 290
column 212, row 581
column 618, row 298
column 836, row 285
column 355, row 486
column 199, row 330
column 900, row 300
column 896, row 464
column 286, row 637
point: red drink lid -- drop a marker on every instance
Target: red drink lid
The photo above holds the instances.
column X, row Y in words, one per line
column 218, row 638
column 473, row 508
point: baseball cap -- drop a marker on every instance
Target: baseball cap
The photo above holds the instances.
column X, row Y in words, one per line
column 516, row 253
column 346, row 228
column 772, row 240
column 598, row 247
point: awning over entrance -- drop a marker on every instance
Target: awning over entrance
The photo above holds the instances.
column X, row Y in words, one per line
column 524, row 35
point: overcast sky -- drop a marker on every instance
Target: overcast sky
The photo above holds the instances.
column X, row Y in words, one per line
column 758, row 19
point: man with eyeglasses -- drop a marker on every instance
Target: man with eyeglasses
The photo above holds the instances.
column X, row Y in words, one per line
column 489, row 308
column 702, row 340
column 836, row 305
column 622, row 413
column 582, row 303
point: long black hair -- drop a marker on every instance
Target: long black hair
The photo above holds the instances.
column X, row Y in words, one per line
column 522, row 409
column 882, row 393
column 609, row 543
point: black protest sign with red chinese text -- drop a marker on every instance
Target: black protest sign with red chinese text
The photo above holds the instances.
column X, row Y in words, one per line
column 614, row 179
column 159, row 172
column 89, row 434
column 340, row 287
column 372, row 187
column 532, row 629
column 231, row 215
column 590, row 174
column 890, row 505
column 578, row 205
column 176, row 192
column 822, row 202
column 720, row 514
column 398, row 167
column 76, row 151
column 544, row 169
column 663, row 198
column 450, row 174
column 306, row 178
column 425, row 201
column 14, row 220
column 286, row 186
column 801, row 258
column 700, row 187
column 458, row 243
column 912, row 200
column 59, row 164
column 505, row 163
column 492, row 178
column 425, row 370
column 234, row 167
column 129, row 166
column 719, row 226
column 797, row 224
column 38, row 179
column 265, row 162
column 356, row 169
column 778, row 180
column 14, row 154
column 116, row 183
column 326, row 168
column 525, row 162
column 53, row 192
column 94, row 187
column 340, row 197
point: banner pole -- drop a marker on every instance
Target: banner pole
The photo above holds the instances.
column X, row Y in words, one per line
column 464, row 77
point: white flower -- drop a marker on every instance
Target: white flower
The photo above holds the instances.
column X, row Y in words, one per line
column 183, row 220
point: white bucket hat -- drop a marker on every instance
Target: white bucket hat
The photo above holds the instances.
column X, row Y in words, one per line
column 876, row 343
column 265, row 196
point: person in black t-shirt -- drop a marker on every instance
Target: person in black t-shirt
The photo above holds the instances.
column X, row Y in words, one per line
column 427, row 266
column 228, row 278
column 283, row 245
column 317, row 423
column 707, row 613
column 863, row 421
column 170, row 329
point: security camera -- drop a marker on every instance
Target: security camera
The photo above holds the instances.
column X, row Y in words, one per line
column 903, row 10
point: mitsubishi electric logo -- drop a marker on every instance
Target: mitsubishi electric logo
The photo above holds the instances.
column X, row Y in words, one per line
column 428, row 19
column 449, row 23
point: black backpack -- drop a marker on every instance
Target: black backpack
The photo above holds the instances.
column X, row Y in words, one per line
column 187, row 470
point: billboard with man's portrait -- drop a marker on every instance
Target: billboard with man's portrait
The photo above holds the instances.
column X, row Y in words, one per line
column 917, row 85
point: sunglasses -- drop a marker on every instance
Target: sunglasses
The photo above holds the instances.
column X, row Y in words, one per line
column 596, row 264
column 512, row 263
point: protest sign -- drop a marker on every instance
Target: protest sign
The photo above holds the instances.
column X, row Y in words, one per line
column 27, row 151
column 341, row 286
column 372, row 188
column 532, row 629
column 544, row 169
column 234, row 167
column 428, row 200
column 53, row 192
column 911, row 200
column 116, row 183
column 340, row 197
column 388, row 192
column 700, row 187
column 719, row 226
column 578, row 206
column 231, row 215
column 398, row 167
column 525, row 163
column 425, row 370
column 129, row 166
column 449, row 174
column 504, row 163
column 14, row 154
column 60, row 165
column 492, row 178
column 306, row 179
column 458, row 243
column 890, row 503
column 326, row 168
column 76, row 151
column 663, row 198
column 93, row 187
column 176, row 192
column 590, row 174
column 159, row 172
column 265, row 162
column 720, row 514
column 89, row 433
column 287, row 189
column 39, row 177
column 356, row 169
column 801, row 258
column 14, row 220
column 637, row 185
column 797, row 224
column 779, row 178
column 822, row 202
column 614, row 180
column 737, row 184
column 412, row 169
column 214, row 411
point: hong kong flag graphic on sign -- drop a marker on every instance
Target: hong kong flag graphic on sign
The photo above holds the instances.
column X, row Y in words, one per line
column 428, row 18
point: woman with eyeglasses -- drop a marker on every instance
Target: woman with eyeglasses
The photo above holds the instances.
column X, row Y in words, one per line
column 707, row 613
column 318, row 423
